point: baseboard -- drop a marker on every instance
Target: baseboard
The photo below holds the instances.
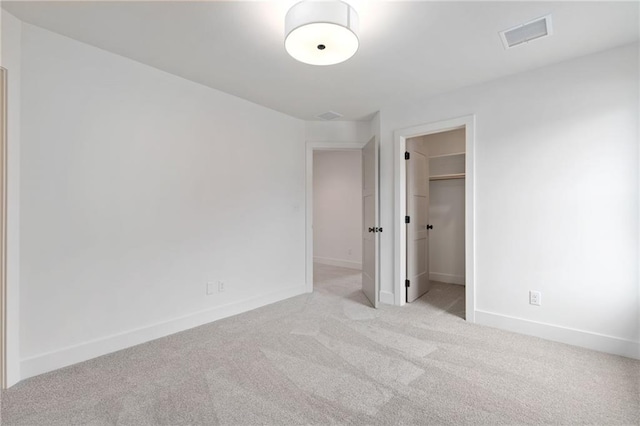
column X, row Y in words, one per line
column 387, row 298
column 50, row 361
column 338, row 262
column 585, row 339
column 446, row 278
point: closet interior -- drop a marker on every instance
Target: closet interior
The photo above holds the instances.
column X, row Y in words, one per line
column 436, row 211
column 447, row 206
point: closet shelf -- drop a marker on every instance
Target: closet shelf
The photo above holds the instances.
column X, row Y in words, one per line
column 449, row 176
column 450, row 154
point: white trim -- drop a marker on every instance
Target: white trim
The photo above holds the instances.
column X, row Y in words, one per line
column 3, row 227
column 400, row 171
column 338, row 262
column 446, row 278
column 317, row 146
column 570, row 336
column 94, row 348
column 11, row 267
column 387, row 298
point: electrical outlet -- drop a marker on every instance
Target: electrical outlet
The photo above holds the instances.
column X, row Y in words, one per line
column 349, row 251
column 220, row 286
column 211, row 288
column 535, row 298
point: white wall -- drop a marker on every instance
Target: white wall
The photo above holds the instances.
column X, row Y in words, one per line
column 11, row 33
column 337, row 208
column 338, row 131
column 138, row 187
column 556, row 197
column 446, row 239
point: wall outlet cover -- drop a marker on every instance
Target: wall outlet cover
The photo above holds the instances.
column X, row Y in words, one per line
column 535, row 298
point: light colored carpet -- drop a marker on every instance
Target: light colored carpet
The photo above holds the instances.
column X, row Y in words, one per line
column 328, row 358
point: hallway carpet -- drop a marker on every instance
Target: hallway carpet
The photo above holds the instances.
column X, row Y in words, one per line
column 328, row 358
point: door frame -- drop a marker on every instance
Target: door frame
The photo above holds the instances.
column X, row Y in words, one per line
column 311, row 147
column 400, row 175
column 3, row 227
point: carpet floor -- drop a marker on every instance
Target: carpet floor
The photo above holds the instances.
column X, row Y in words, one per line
column 329, row 358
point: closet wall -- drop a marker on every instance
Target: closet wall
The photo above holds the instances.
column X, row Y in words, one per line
column 447, row 207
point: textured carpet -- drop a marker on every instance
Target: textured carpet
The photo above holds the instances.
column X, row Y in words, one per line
column 328, row 358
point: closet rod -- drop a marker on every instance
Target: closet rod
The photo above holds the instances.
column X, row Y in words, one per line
column 447, row 177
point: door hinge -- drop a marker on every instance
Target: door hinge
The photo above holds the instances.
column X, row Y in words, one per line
column 407, row 219
column 406, row 155
column 407, row 283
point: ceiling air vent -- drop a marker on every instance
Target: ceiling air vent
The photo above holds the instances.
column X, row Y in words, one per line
column 526, row 32
column 329, row 115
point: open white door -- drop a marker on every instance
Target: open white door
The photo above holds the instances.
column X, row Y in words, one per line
column 418, row 217
column 370, row 240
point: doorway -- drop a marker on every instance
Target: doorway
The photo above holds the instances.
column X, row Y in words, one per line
column 434, row 189
column 337, row 208
column 435, row 211
column 346, row 233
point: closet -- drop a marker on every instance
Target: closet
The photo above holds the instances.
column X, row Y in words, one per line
column 447, row 206
column 435, row 211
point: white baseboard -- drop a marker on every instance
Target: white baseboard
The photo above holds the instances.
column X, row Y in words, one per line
column 387, row 298
column 338, row 262
column 84, row 351
column 446, row 278
column 585, row 339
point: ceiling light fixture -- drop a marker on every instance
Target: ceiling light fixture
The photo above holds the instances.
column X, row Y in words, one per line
column 321, row 32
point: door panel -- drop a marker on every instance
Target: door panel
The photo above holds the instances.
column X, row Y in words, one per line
column 370, row 240
column 418, row 211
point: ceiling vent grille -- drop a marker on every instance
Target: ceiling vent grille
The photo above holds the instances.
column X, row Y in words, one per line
column 524, row 33
column 329, row 115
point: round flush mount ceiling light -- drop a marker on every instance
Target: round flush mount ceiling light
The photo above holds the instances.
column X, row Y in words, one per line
column 321, row 32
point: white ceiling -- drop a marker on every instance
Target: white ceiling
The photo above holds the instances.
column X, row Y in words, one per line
column 408, row 50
